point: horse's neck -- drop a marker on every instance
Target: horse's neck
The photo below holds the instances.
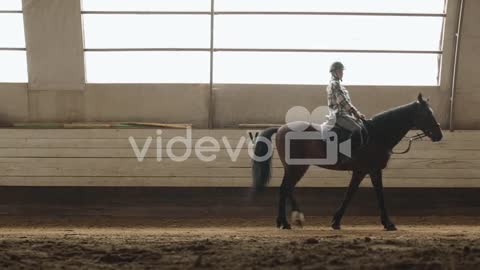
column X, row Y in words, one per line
column 399, row 136
column 392, row 126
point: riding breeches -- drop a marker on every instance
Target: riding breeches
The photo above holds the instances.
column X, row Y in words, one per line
column 350, row 124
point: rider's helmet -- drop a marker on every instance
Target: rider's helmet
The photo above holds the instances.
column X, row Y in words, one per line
column 336, row 66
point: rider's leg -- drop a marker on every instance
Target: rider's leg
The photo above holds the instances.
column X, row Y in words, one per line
column 352, row 126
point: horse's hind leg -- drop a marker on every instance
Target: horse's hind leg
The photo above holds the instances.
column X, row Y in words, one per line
column 292, row 175
column 297, row 216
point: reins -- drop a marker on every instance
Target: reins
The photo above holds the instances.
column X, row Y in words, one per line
column 410, row 140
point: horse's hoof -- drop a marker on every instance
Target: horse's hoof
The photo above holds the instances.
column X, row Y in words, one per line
column 390, row 227
column 283, row 225
column 298, row 218
column 336, row 226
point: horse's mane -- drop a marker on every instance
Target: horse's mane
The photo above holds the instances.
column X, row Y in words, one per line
column 388, row 122
column 389, row 117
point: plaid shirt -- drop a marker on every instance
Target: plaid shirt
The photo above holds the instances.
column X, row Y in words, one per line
column 339, row 99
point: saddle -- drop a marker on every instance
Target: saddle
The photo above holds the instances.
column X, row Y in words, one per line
column 357, row 139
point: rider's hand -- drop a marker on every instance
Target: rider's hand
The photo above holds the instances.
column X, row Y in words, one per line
column 361, row 116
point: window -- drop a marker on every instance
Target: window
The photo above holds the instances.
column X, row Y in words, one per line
column 328, row 30
column 400, row 6
column 146, row 5
column 147, row 67
column 13, row 59
column 144, row 44
column 312, row 68
column 381, row 42
column 149, row 31
column 11, row 5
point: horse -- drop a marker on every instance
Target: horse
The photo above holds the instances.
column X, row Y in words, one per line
column 385, row 131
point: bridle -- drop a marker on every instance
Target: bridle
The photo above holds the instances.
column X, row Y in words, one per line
column 427, row 133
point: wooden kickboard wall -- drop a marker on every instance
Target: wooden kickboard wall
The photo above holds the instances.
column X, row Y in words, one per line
column 104, row 157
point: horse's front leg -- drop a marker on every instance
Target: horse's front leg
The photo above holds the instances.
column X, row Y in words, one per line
column 377, row 182
column 357, row 178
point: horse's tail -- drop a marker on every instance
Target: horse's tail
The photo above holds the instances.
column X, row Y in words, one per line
column 261, row 170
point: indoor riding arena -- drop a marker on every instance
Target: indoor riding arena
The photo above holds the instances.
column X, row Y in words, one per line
column 239, row 134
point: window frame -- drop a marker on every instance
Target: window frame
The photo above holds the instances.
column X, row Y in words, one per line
column 213, row 49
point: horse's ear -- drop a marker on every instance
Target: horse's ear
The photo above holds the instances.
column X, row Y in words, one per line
column 420, row 98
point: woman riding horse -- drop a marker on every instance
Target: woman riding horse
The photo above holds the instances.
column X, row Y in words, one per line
column 342, row 111
column 385, row 131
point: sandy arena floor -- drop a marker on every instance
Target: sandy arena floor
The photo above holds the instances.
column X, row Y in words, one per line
column 432, row 243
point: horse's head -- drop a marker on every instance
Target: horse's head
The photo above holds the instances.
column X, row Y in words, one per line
column 425, row 120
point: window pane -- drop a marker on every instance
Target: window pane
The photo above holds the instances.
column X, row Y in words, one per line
column 13, row 66
column 319, row 32
column 146, row 5
column 11, row 5
column 312, row 68
column 148, row 31
column 147, row 67
column 11, row 30
column 407, row 6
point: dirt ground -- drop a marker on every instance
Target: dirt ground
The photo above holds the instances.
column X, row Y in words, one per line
column 420, row 243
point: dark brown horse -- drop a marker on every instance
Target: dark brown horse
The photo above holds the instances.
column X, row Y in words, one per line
column 385, row 131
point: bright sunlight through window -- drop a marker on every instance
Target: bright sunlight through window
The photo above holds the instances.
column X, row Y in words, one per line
column 137, row 41
column 13, row 59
